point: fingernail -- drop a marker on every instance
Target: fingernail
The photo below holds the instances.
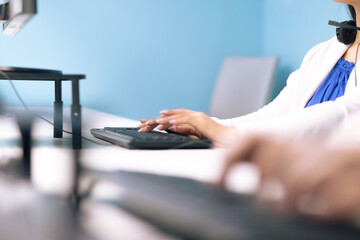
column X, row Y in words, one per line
column 172, row 121
column 159, row 120
column 172, row 128
column 148, row 122
column 164, row 111
column 141, row 130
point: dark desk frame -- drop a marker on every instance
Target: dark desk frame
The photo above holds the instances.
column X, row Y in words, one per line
column 58, row 78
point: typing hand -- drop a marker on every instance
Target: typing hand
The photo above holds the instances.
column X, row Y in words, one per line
column 186, row 122
column 183, row 129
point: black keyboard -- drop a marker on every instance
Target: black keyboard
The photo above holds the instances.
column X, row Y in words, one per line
column 131, row 138
column 194, row 210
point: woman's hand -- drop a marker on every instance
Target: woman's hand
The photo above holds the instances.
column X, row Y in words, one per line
column 187, row 122
column 321, row 182
column 262, row 151
column 306, row 178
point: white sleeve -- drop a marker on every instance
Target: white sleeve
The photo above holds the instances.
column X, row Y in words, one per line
column 348, row 134
column 318, row 120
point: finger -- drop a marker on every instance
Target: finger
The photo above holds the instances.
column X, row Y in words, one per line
column 175, row 111
column 166, row 120
column 142, row 121
column 194, row 137
column 307, row 172
column 282, row 161
column 153, row 122
column 146, row 129
column 242, row 152
column 181, row 119
column 185, row 129
column 291, row 173
column 268, row 156
column 163, row 127
column 336, row 198
column 303, row 176
column 142, row 125
column 342, row 195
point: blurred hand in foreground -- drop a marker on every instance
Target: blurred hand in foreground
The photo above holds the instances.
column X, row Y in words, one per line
column 307, row 178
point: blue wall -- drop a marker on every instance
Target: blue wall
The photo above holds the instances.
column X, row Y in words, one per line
column 142, row 56
column 293, row 27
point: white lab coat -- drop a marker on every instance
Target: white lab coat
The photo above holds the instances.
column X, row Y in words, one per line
column 287, row 115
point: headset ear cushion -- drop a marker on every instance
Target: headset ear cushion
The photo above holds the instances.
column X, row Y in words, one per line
column 344, row 35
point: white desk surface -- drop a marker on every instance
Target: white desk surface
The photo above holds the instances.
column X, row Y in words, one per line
column 203, row 165
column 199, row 164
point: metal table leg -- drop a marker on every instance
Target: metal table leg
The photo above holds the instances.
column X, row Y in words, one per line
column 76, row 115
column 58, row 110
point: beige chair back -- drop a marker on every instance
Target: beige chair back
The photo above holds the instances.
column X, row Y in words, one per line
column 244, row 86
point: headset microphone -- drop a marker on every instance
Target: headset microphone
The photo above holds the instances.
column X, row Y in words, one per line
column 345, row 31
column 347, row 24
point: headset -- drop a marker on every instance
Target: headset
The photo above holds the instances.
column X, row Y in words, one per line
column 346, row 33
